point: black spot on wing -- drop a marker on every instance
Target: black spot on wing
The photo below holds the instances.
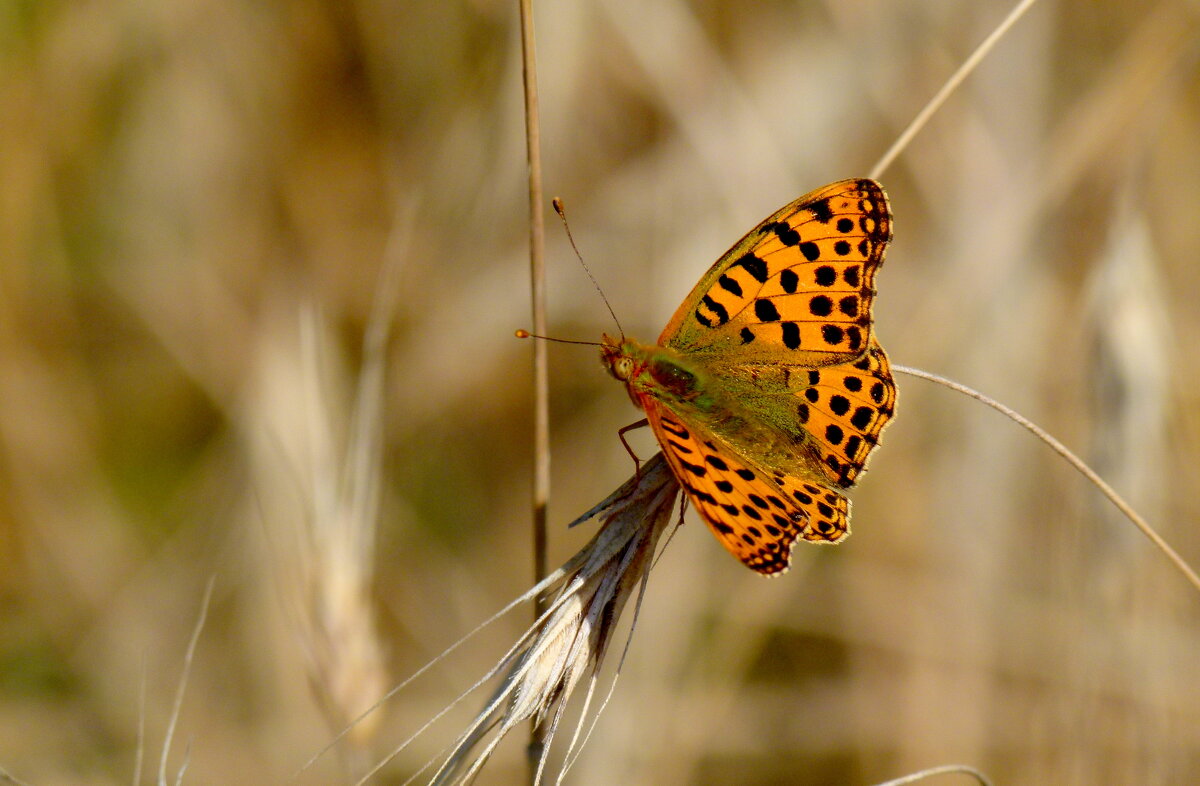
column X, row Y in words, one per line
column 756, row 267
column 674, row 428
column 821, row 211
column 765, row 310
column 786, row 235
column 730, row 285
column 716, row 308
column 684, row 449
column 791, row 335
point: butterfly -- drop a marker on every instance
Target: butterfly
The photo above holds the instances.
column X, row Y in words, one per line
column 768, row 389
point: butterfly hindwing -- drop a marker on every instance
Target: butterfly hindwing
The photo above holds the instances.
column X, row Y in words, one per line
column 798, row 288
column 839, row 411
column 846, row 407
column 756, row 513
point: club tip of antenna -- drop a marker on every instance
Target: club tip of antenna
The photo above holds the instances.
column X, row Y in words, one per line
column 522, row 333
column 558, row 205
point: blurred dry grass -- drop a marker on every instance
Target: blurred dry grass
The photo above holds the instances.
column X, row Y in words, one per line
column 197, row 202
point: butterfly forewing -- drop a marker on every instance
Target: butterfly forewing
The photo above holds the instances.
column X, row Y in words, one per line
column 755, row 512
column 798, row 288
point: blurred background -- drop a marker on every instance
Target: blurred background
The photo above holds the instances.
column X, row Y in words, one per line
column 260, row 266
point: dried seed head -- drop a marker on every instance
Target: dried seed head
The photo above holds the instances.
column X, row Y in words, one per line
column 571, row 639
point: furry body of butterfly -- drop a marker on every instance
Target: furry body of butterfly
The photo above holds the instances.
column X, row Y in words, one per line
column 717, row 404
column 768, row 389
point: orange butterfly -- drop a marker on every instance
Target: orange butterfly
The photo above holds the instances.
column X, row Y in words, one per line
column 768, row 389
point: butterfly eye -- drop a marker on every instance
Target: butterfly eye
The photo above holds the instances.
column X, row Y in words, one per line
column 622, row 368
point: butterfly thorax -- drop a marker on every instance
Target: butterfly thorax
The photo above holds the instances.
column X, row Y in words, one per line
column 655, row 372
column 737, row 408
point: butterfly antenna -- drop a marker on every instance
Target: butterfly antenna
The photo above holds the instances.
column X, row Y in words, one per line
column 562, row 214
column 522, row 333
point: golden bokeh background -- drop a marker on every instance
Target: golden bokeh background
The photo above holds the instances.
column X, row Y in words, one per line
column 203, row 201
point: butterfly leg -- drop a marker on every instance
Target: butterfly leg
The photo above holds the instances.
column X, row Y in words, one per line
column 637, row 462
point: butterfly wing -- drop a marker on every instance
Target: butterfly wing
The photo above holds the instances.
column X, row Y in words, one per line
column 792, row 387
column 783, row 319
column 755, row 512
column 798, row 288
column 832, row 415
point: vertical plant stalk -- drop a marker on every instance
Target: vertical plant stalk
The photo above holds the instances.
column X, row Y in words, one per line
column 537, row 281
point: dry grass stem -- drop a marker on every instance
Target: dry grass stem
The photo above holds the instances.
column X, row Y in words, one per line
column 181, row 688
column 948, row 87
column 537, row 291
column 574, row 639
column 948, row 769
column 1108, row 491
column 140, row 753
column 570, row 640
column 7, row 777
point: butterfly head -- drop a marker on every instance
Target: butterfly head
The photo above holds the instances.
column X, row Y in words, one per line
column 651, row 371
column 619, row 356
column 626, row 360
